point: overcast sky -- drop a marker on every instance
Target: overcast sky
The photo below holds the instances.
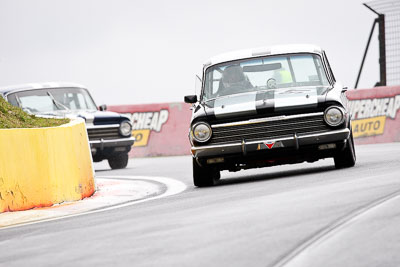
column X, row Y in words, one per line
column 132, row 52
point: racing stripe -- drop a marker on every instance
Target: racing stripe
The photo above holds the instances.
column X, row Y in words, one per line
column 265, row 102
column 235, row 105
column 289, row 98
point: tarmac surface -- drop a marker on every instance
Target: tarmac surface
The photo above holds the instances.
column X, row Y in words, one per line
column 294, row 215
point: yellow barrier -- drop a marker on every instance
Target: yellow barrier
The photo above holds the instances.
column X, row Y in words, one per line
column 40, row 167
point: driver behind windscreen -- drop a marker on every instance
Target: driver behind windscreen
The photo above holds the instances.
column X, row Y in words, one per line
column 233, row 81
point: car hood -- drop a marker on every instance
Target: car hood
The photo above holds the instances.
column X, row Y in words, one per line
column 94, row 117
column 272, row 100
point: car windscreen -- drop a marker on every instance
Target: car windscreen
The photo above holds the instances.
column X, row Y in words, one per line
column 272, row 72
column 51, row 100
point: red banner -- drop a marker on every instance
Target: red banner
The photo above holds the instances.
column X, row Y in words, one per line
column 159, row 129
column 376, row 114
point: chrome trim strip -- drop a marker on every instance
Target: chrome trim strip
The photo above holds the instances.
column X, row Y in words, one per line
column 276, row 140
column 345, row 130
column 102, row 126
column 102, row 141
column 238, row 144
column 277, row 118
column 342, row 131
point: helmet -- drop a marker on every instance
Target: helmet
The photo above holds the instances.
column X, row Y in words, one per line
column 233, row 76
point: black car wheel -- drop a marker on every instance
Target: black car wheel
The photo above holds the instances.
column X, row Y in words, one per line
column 204, row 176
column 118, row 161
column 347, row 157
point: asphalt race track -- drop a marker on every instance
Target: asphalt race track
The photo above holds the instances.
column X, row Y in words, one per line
column 294, row 215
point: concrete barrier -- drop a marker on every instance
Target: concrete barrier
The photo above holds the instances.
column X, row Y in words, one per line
column 40, row 167
column 376, row 114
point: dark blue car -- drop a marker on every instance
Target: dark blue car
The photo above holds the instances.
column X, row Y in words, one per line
column 110, row 133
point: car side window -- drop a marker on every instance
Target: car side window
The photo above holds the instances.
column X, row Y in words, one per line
column 329, row 68
column 321, row 70
column 213, row 82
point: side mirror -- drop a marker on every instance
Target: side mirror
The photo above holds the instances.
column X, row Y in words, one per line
column 191, row 99
column 103, row 107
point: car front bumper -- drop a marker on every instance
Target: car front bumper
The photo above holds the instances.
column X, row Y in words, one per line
column 295, row 142
column 105, row 143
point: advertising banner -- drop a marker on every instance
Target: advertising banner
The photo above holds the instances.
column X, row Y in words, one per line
column 162, row 129
column 376, row 114
column 159, row 129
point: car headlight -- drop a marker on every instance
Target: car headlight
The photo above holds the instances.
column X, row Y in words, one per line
column 125, row 128
column 334, row 116
column 201, row 132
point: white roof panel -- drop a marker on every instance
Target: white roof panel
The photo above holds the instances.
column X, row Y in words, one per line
column 43, row 85
column 263, row 51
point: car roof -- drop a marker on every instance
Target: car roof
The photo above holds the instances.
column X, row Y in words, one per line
column 33, row 86
column 263, row 51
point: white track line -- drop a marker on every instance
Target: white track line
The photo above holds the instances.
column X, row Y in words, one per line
column 323, row 235
column 173, row 187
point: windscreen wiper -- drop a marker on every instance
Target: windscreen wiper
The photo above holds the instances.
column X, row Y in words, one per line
column 57, row 103
column 18, row 101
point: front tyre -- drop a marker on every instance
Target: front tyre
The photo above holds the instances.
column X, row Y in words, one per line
column 119, row 161
column 204, row 176
column 347, row 157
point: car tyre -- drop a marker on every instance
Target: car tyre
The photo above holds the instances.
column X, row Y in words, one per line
column 119, row 161
column 347, row 157
column 204, row 176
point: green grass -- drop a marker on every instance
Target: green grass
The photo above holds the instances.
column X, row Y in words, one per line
column 14, row 117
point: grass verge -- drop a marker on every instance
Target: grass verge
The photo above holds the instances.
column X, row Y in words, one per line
column 14, row 117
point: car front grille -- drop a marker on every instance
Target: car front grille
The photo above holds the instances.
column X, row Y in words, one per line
column 97, row 133
column 270, row 129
